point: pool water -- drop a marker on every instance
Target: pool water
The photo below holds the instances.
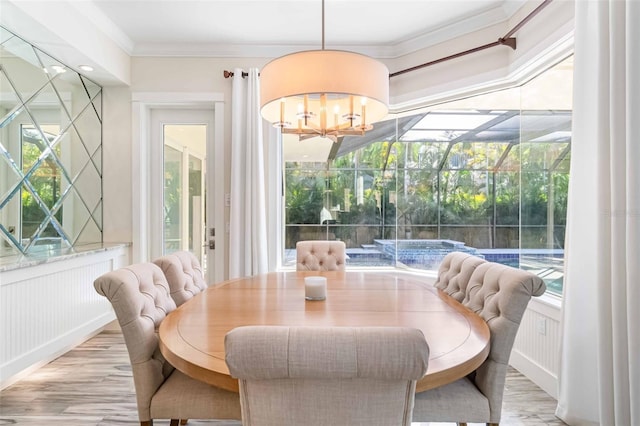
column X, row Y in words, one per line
column 428, row 254
column 422, row 254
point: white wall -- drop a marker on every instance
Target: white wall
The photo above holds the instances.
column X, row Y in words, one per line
column 536, row 351
column 46, row 309
column 116, row 164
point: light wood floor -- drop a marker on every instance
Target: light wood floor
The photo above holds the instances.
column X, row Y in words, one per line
column 92, row 385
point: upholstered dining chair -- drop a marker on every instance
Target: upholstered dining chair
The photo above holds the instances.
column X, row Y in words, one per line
column 318, row 376
column 499, row 294
column 319, row 255
column 454, row 273
column 184, row 275
column 140, row 298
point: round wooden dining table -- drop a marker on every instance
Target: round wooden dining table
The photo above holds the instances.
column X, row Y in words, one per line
column 192, row 336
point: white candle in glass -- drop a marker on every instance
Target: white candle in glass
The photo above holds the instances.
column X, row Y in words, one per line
column 315, row 288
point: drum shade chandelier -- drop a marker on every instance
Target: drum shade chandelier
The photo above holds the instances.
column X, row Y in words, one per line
column 327, row 93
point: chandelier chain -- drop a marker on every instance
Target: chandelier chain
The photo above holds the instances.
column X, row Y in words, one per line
column 322, row 24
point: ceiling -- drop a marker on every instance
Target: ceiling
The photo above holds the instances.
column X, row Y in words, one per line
column 269, row 28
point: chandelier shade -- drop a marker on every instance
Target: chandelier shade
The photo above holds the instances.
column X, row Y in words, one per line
column 328, row 93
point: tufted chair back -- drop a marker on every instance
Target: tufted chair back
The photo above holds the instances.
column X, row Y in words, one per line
column 454, row 273
column 318, row 376
column 184, row 275
column 140, row 298
column 500, row 295
column 320, row 255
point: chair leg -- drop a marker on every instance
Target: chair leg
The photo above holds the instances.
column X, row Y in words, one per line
column 493, row 424
column 184, row 421
column 462, row 424
column 147, row 423
column 174, row 422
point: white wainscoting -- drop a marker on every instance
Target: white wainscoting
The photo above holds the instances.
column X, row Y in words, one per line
column 536, row 351
column 48, row 308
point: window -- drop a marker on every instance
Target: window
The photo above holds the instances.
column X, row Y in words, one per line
column 486, row 175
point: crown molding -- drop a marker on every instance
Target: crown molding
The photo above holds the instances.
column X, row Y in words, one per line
column 514, row 75
column 104, row 24
column 449, row 30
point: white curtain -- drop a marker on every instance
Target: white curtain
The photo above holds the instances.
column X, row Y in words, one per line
column 599, row 380
column 248, row 223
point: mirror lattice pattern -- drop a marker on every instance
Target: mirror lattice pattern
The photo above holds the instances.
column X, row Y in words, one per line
column 50, row 153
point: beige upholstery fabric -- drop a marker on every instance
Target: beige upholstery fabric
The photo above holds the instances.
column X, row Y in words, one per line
column 318, row 376
column 140, row 298
column 184, row 275
column 454, row 273
column 499, row 294
column 320, row 255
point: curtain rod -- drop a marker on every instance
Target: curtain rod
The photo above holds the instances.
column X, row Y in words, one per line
column 228, row 74
column 507, row 40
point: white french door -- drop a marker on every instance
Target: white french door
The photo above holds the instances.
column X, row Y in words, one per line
column 182, row 147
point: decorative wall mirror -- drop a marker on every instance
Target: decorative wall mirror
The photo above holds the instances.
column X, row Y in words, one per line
column 50, row 153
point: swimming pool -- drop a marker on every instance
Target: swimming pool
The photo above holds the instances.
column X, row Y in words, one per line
column 422, row 254
column 428, row 254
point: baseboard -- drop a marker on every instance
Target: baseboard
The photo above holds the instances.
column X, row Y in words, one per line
column 20, row 367
column 547, row 381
